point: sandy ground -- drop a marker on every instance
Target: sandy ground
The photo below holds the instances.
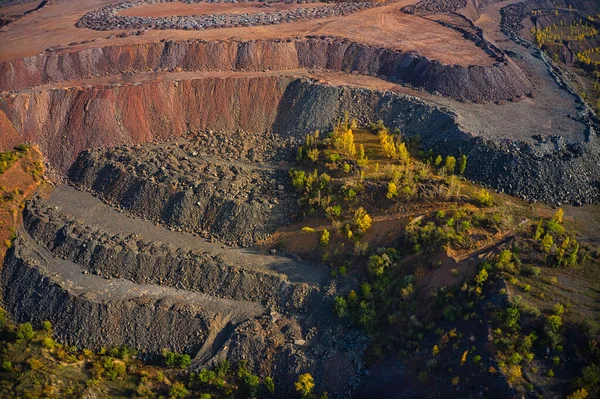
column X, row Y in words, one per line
column 19, row 9
column 386, row 26
column 181, row 9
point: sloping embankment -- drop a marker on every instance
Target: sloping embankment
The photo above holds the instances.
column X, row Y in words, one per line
column 97, row 310
column 500, row 81
column 148, row 262
column 237, row 202
column 65, row 122
column 107, row 313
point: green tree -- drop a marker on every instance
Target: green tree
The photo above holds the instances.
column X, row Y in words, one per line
column 553, row 323
column 547, row 243
column 378, row 264
column 558, row 309
column 539, row 230
column 269, row 385
column 438, row 161
column 484, row 198
column 450, row 164
column 324, row 240
column 572, row 260
column 178, row 391
column 481, row 277
column 47, row 326
column 462, row 165
column 340, row 306
column 25, row 331
column 360, row 155
column 590, row 377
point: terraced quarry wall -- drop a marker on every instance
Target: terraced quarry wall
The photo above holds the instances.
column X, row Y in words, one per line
column 93, row 323
column 500, row 81
column 65, row 122
column 147, row 262
column 108, row 278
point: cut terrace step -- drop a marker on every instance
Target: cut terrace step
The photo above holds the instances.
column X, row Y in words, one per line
column 94, row 312
column 91, row 211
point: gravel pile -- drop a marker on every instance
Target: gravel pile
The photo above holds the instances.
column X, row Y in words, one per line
column 430, row 7
column 108, row 18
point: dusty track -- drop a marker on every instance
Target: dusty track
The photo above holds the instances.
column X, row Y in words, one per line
column 92, row 212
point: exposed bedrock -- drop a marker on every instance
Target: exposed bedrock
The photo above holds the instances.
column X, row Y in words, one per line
column 500, row 81
column 65, row 122
column 33, row 292
column 187, row 186
column 149, row 262
column 92, row 311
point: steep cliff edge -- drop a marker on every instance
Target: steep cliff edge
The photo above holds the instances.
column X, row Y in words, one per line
column 97, row 309
column 101, row 312
column 501, row 81
column 64, row 122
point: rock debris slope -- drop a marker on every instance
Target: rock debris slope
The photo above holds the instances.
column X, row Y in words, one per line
column 108, row 277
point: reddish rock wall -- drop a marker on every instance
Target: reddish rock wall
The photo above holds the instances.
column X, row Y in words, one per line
column 500, row 81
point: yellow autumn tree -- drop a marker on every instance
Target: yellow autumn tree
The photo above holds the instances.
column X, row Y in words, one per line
column 392, row 190
column 579, row 394
column 343, row 139
column 362, row 220
column 558, row 216
column 305, row 384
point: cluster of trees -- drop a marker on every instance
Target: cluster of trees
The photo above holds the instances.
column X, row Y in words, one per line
column 448, row 228
column 561, row 249
column 585, row 57
column 34, row 365
column 370, row 307
column 403, row 182
column 9, row 157
column 393, row 147
column 575, row 31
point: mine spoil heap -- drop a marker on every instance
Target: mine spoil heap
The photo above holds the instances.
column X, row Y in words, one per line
column 108, row 277
column 174, row 136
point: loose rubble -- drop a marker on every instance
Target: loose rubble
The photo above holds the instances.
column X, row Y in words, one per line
column 108, row 18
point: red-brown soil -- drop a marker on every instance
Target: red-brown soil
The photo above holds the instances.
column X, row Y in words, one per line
column 54, row 26
column 18, row 182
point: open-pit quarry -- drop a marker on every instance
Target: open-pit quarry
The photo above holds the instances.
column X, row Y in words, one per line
column 169, row 129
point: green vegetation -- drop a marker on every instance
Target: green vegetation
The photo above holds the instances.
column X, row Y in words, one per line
column 10, row 157
column 34, row 365
column 580, row 37
column 454, row 271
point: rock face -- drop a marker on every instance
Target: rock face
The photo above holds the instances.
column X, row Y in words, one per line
column 237, row 202
column 145, row 262
column 137, row 322
column 500, row 81
column 65, row 122
column 102, row 287
column 430, row 7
